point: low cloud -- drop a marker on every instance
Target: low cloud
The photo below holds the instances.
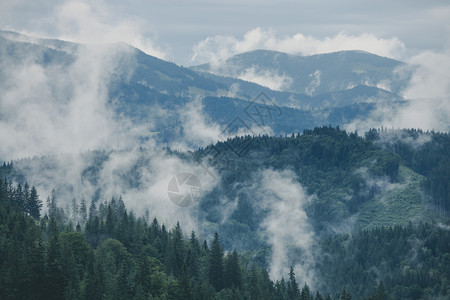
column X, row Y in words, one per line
column 198, row 129
column 267, row 78
column 59, row 110
column 82, row 21
column 314, row 83
column 93, row 23
column 220, row 47
column 286, row 225
column 154, row 170
column 391, row 137
column 140, row 176
column 52, row 109
column 427, row 98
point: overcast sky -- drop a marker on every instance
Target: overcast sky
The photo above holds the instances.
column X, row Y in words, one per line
column 192, row 32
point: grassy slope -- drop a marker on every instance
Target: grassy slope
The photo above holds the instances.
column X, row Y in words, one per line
column 395, row 206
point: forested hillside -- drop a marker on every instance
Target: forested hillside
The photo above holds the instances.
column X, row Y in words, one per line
column 360, row 216
column 345, row 173
column 109, row 253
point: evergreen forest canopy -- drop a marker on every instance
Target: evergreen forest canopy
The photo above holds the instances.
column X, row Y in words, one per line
column 392, row 185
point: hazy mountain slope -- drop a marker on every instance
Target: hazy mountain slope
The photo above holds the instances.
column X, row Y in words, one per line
column 283, row 197
column 154, row 93
column 18, row 53
column 348, row 176
column 316, row 74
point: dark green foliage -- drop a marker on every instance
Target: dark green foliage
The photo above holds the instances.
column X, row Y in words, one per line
column 34, row 204
column 107, row 252
column 216, row 264
column 327, row 161
column 427, row 153
column 293, row 291
column 408, row 259
column 345, row 295
column 232, row 273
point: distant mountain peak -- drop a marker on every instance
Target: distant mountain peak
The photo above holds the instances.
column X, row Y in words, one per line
column 313, row 75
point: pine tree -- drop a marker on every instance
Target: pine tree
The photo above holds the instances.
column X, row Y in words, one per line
column 205, row 247
column 232, row 274
column 34, row 204
column 318, row 296
column 305, row 293
column 55, row 279
column 280, row 289
column 124, row 287
column 19, row 197
column 254, row 284
column 216, row 264
column 381, row 292
column 52, row 205
column 110, row 222
column 345, row 295
column 82, row 211
column 92, row 210
column 176, row 251
column 120, row 206
column 26, row 198
column 193, row 256
column 267, row 285
column 292, row 286
column 185, row 283
column 143, row 280
column 95, row 281
column 75, row 210
column 154, row 231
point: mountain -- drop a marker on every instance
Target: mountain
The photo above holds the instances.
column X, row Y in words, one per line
column 327, row 208
column 140, row 87
column 316, row 74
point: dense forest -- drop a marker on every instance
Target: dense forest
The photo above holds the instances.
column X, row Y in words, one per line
column 98, row 249
column 349, row 174
column 109, row 253
column 426, row 154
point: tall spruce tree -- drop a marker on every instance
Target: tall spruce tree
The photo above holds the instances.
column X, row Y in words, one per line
column 216, row 264
column 232, row 274
column 292, row 286
column 34, row 204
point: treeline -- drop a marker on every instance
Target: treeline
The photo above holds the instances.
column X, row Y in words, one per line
column 115, row 255
column 24, row 198
column 330, row 163
column 106, row 252
column 413, row 262
column 97, row 249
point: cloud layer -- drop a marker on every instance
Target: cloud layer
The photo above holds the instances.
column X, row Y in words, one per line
column 267, row 78
column 286, row 225
column 427, row 98
column 48, row 109
column 217, row 48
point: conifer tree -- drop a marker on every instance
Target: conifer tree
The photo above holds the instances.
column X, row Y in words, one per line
column 83, row 210
column 232, row 274
column 292, row 286
column 34, row 204
column 216, row 264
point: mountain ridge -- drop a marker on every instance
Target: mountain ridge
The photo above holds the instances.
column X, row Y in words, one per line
column 141, row 82
column 337, row 69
